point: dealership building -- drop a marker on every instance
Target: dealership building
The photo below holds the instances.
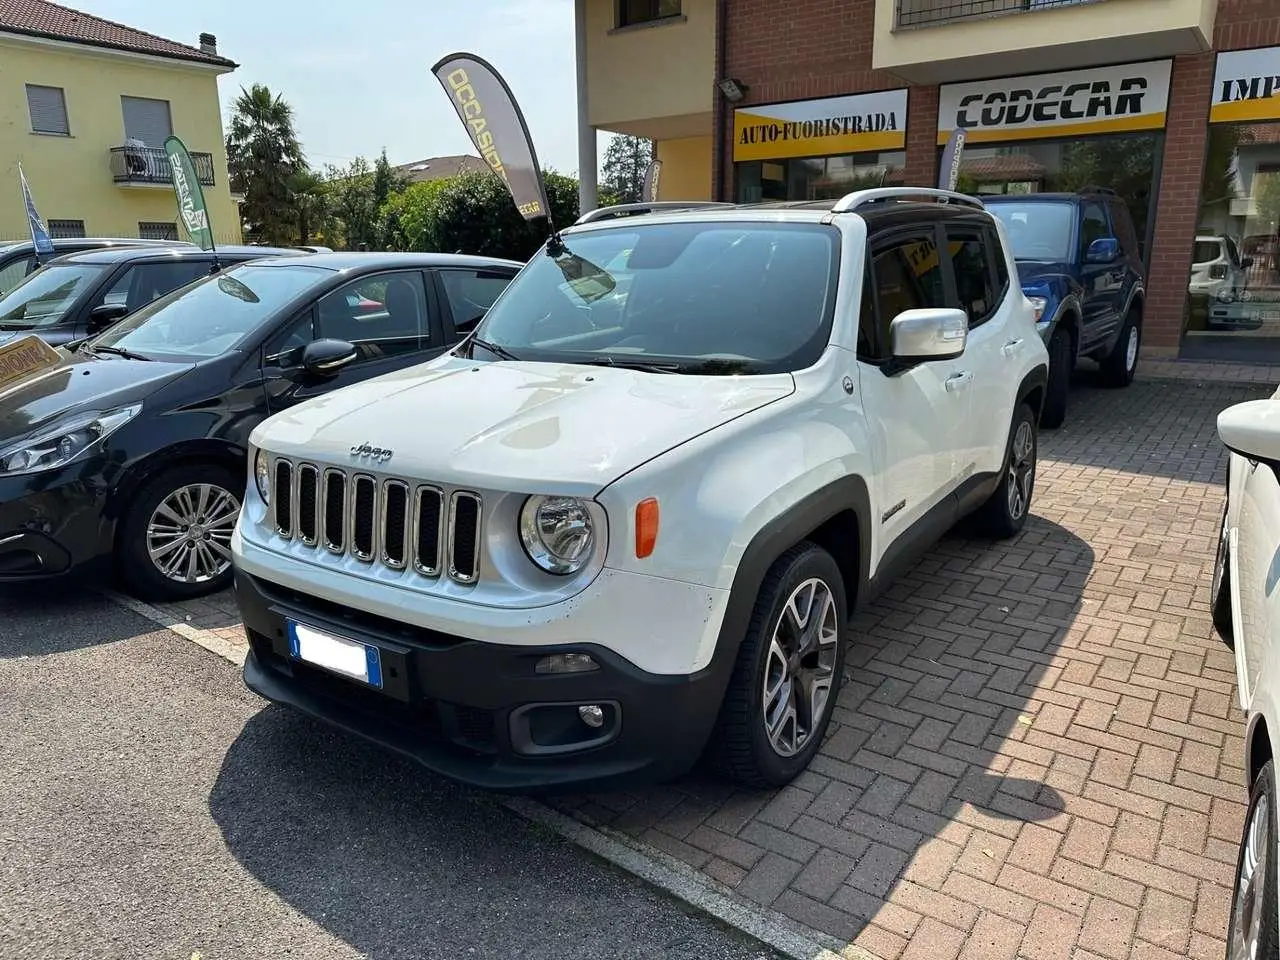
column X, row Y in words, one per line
column 1173, row 104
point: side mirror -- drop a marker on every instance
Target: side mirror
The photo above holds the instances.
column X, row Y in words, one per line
column 1246, row 263
column 103, row 315
column 1252, row 429
column 326, row 357
column 1103, row 250
column 917, row 336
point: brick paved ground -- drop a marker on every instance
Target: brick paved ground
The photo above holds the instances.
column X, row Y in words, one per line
column 1036, row 754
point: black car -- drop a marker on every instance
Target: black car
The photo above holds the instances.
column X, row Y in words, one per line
column 129, row 450
column 78, row 295
column 18, row 257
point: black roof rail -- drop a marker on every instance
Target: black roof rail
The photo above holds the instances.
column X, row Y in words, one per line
column 639, row 209
column 1090, row 188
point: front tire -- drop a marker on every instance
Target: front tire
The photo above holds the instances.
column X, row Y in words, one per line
column 778, row 705
column 175, row 541
column 1055, row 402
column 1121, row 365
column 1252, row 934
column 1005, row 512
column 1220, row 589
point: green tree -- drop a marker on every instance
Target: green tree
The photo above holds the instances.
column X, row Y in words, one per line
column 625, row 161
column 474, row 214
column 351, row 189
column 1266, row 196
column 410, row 219
column 263, row 154
column 312, row 207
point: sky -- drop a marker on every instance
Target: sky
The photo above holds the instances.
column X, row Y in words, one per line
column 358, row 75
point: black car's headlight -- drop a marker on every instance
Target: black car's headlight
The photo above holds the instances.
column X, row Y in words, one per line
column 558, row 533
column 63, row 442
column 262, row 475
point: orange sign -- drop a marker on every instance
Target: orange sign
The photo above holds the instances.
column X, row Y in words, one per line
column 25, row 356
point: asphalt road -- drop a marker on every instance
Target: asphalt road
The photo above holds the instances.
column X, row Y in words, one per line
column 151, row 807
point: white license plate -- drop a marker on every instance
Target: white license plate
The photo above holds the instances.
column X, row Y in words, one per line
column 349, row 658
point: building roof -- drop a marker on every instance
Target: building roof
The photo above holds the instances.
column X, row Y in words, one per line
column 438, row 168
column 39, row 18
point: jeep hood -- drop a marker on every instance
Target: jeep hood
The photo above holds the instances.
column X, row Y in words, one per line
column 556, row 428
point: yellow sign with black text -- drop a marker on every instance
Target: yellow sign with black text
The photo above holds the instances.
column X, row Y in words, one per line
column 861, row 123
column 1246, row 86
column 23, row 357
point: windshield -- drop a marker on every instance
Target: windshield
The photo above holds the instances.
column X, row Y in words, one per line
column 711, row 298
column 1037, row 231
column 47, row 295
column 212, row 315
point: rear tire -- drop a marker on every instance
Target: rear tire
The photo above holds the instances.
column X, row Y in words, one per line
column 1251, row 930
column 785, row 681
column 175, row 540
column 1054, row 411
column 1005, row 512
column 1121, row 365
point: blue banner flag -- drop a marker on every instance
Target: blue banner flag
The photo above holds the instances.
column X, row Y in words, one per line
column 39, row 235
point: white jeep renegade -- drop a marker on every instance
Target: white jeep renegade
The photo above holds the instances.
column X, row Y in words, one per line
column 624, row 524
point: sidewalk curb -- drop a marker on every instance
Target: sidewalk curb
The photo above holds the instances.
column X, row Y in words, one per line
column 674, row 877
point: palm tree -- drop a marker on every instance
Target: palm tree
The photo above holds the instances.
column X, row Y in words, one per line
column 263, row 154
column 311, row 204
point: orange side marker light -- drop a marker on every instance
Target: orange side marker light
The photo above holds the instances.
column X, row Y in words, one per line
column 646, row 527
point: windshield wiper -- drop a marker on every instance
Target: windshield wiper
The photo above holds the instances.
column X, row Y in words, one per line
column 648, row 366
column 498, row 351
column 119, row 352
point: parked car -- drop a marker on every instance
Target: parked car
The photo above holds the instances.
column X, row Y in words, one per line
column 1217, row 269
column 129, row 452
column 18, row 257
column 1246, row 612
column 1079, row 263
column 636, row 527
column 80, row 294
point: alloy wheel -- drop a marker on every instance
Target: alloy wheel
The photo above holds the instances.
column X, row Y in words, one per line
column 1022, row 470
column 1248, row 913
column 189, row 533
column 800, row 667
column 1131, row 349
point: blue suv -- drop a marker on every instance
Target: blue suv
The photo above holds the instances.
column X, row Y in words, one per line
column 1079, row 263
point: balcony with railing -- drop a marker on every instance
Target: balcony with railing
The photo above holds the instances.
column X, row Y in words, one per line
column 939, row 41
column 150, row 165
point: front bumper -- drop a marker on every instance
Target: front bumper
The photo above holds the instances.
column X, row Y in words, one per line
column 52, row 524
column 476, row 711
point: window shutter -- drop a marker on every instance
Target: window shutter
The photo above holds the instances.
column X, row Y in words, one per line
column 146, row 120
column 48, row 109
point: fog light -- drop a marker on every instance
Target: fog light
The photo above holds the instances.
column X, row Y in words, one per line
column 566, row 663
column 592, row 715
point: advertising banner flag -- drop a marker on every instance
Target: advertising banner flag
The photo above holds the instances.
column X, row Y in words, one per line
column 949, row 169
column 191, row 208
column 496, row 126
column 651, row 176
column 39, row 235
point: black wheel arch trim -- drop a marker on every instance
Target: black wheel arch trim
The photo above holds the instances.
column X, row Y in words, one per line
column 1036, row 379
column 142, row 470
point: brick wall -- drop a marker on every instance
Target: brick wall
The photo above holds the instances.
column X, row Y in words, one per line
column 816, row 48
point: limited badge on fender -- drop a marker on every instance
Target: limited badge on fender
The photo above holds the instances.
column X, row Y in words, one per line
column 28, row 355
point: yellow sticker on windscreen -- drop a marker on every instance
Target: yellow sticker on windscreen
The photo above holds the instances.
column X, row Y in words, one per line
column 23, row 357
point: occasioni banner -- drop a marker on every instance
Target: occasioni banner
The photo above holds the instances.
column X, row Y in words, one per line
column 820, row 128
column 1073, row 103
column 1246, row 86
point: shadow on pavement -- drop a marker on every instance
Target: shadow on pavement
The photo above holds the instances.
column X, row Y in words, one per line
column 40, row 620
column 399, row 864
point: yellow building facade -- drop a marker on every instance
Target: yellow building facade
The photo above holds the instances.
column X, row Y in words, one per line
column 87, row 117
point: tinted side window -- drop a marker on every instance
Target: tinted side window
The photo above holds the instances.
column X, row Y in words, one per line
column 969, row 264
column 285, row 348
column 141, row 284
column 471, row 293
column 12, row 273
column 997, row 254
column 1122, row 223
column 1093, row 225
column 384, row 315
column 908, row 275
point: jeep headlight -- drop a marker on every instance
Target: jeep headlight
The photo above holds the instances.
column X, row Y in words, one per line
column 558, row 533
column 262, row 476
column 63, row 442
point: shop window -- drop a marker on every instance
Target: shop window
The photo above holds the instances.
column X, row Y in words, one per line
column 633, row 12
column 1233, row 289
column 817, row 178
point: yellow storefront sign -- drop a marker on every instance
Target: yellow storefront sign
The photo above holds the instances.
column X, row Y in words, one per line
column 23, row 357
column 861, row 123
column 1246, row 86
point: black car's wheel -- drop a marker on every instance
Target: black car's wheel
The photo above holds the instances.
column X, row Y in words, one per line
column 1005, row 512
column 1121, row 364
column 788, row 672
column 175, row 541
column 1252, row 934
column 1055, row 401
column 1220, row 589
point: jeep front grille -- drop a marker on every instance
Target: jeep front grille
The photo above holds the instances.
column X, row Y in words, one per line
column 395, row 523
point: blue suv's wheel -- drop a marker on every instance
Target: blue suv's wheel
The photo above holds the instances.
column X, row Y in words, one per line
column 1120, row 365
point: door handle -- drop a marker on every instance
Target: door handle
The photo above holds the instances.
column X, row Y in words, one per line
column 958, row 380
column 1011, row 347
